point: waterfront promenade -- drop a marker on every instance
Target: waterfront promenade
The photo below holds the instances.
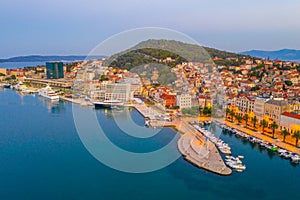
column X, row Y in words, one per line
column 259, row 135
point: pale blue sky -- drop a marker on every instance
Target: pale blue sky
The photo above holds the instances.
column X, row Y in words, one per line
column 63, row 27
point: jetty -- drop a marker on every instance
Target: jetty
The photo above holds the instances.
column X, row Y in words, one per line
column 193, row 145
column 201, row 152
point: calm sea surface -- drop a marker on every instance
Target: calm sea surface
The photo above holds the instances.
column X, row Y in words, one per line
column 15, row 65
column 42, row 157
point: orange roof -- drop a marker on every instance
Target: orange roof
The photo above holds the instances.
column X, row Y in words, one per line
column 291, row 115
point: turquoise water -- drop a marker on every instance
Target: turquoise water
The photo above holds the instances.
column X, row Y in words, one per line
column 42, row 157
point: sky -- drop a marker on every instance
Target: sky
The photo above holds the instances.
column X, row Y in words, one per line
column 75, row 27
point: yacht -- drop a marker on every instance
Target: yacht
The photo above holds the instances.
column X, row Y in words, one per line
column 47, row 92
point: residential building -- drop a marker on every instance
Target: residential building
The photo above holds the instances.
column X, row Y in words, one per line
column 3, row 71
column 274, row 108
column 168, row 99
column 290, row 121
column 184, row 101
column 245, row 104
column 259, row 107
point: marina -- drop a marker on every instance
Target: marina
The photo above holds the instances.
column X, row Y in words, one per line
column 294, row 157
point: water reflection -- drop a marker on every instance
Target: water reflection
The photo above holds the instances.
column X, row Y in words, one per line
column 54, row 107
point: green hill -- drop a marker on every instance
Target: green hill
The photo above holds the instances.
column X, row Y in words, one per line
column 156, row 51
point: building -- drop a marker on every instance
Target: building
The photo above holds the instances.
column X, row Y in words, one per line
column 290, row 121
column 259, row 108
column 118, row 92
column 274, row 109
column 245, row 104
column 3, row 71
column 54, row 70
column 168, row 99
column 184, row 101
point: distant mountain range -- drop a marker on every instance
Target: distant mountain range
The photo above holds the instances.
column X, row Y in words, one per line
column 38, row 58
column 284, row 54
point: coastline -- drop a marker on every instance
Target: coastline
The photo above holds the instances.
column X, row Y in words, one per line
column 193, row 145
column 261, row 136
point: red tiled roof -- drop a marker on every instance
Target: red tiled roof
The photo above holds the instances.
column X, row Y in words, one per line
column 291, row 115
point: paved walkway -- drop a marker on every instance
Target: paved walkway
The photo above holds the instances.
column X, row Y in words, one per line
column 201, row 153
column 261, row 136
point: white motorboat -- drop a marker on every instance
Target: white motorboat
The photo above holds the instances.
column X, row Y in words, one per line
column 295, row 158
column 48, row 93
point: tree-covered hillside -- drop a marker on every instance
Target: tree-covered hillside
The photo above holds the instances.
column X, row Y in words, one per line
column 157, row 51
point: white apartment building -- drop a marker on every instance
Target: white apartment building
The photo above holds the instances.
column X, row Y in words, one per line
column 117, row 91
column 244, row 104
column 184, row 101
column 113, row 92
column 259, row 107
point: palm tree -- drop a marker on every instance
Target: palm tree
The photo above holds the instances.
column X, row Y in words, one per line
column 232, row 114
column 284, row 133
column 246, row 118
column 296, row 135
column 227, row 112
column 254, row 120
column 274, row 126
column 263, row 124
column 239, row 118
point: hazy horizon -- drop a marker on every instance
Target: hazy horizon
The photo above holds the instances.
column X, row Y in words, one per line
column 75, row 27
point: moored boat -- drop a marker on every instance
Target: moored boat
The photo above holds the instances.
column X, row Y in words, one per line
column 48, row 93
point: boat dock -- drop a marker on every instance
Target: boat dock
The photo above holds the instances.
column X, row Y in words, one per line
column 81, row 102
column 192, row 144
column 201, row 152
column 260, row 136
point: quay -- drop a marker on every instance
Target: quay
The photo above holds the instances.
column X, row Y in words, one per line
column 192, row 144
column 81, row 102
column 261, row 136
column 201, row 152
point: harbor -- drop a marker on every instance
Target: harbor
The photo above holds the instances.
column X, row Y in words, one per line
column 180, row 176
column 192, row 144
column 282, row 149
column 256, row 137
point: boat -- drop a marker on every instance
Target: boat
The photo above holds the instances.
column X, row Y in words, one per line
column 147, row 123
column 235, row 163
column 48, row 93
column 108, row 104
column 295, row 158
column 6, row 85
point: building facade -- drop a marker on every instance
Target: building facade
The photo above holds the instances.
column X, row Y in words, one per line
column 55, row 70
column 259, row 108
column 274, row 109
column 118, row 92
column 184, row 101
column 245, row 104
column 290, row 122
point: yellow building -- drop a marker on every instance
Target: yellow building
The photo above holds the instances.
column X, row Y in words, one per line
column 274, row 109
column 3, row 71
column 290, row 122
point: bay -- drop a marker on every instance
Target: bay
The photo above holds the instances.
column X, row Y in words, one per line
column 42, row 157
